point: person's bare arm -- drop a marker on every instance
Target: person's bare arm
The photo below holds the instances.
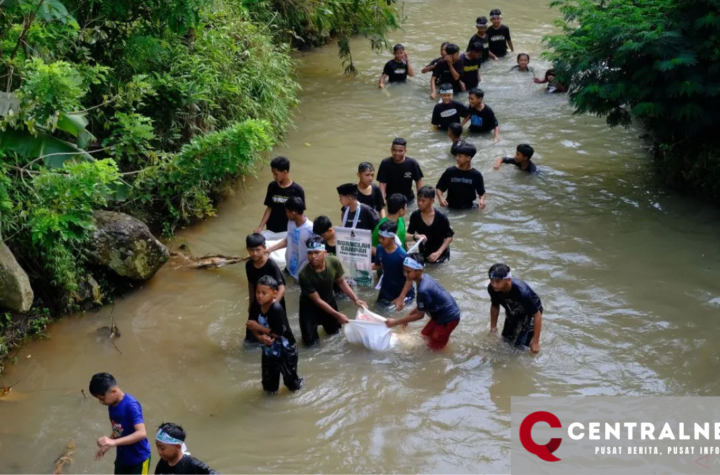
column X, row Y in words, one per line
column 279, row 245
column 512, row 48
column 455, row 74
column 139, row 434
column 498, row 163
column 436, row 255
column 281, row 292
column 413, row 316
column 441, row 199
column 264, row 220
column 495, row 58
column 382, row 80
column 481, row 201
column 465, row 120
column 342, row 283
column 257, row 329
column 433, row 91
column 400, row 301
column 535, row 343
column 428, row 68
column 410, row 69
column 383, row 187
column 494, row 314
column 418, row 184
column 382, row 213
column 497, row 133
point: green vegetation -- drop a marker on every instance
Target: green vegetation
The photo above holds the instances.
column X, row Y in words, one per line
column 149, row 107
column 657, row 62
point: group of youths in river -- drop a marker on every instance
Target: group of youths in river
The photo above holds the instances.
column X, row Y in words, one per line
column 311, row 248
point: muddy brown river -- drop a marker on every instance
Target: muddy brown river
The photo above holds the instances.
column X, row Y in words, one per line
column 628, row 274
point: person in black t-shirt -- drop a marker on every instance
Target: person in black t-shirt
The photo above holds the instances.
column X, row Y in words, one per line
column 353, row 213
column 398, row 68
column 462, row 182
column 482, row 37
column 174, row 458
column 523, row 309
column 258, row 266
column 499, row 35
column 448, row 111
column 322, row 226
column 431, row 65
column 448, row 71
column 455, row 133
column 278, row 192
column 522, row 157
column 280, row 353
column 369, row 193
column 471, row 60
column 432, row 225
column 397, row 173
column 481, row 116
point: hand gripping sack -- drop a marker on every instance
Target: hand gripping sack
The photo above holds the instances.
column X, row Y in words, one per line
column 272, row 239
column 369, row 329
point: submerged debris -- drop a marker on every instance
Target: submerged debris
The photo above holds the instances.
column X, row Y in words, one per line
column 214, row 261
column 65, row 459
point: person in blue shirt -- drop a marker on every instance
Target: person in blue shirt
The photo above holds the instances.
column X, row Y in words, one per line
column 523, row 308
column 432, row 299
column 128, row 427
column 390, row 257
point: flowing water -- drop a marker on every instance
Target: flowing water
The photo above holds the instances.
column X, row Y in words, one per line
column 627, row 272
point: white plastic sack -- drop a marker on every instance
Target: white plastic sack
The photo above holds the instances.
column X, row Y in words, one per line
column 271, row 239
column 369, row 330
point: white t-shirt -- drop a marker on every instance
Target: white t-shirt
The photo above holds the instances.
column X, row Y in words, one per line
column 296, row 252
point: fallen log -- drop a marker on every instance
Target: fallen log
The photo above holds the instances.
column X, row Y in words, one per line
column 214, row 261
column 65, row 459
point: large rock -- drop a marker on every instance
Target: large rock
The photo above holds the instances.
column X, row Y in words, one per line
column 15, row 291
column 125, row 245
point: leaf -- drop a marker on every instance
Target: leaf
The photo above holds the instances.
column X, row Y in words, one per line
column 30, row 146
column 75, row 124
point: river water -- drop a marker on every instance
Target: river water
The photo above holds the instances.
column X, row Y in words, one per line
column 628, row 275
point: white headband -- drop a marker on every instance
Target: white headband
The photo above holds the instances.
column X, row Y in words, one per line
column 508, row 276
column 412, row 263
column 386, row 234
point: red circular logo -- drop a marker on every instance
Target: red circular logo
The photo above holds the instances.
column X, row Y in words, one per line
column 542, row 451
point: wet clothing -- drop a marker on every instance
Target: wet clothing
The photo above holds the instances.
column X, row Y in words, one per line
column 470, row 74
column 517, row 68
column 400, row 233
column 485, row 41
column 437, row 302
column 498, row 40
column 462, row 186
column 396, row 72
column 253, row 275
column 435, row 233
column 393, row 279
column 142, row 468
column 438, row 335
column 123, row 418
column 310, row 314
column 331, row 250
column 445, row 114
column 443, row 75
column 482, row 120
column 275, row 198
column 531, row 168
column 521, row 303
column 367, row 217
column 374, row 199
column 296, row 252
column 187, row 465
column 281, row 356
column 434, row 64
column 399, row 177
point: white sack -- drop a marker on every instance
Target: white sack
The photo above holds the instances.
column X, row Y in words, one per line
column 271, row 239
column 369, row 330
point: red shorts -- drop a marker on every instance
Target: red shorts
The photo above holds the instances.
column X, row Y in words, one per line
column 438, row 335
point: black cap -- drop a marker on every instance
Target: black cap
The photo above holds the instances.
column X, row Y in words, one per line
column 348, row 189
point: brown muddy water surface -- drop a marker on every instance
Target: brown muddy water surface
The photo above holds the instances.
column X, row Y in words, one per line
column 627, row 272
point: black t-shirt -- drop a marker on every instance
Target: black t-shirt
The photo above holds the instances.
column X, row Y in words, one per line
column 470, row 71
column 275, row 198
column 446, row 114
column 187, row 465
column 399, row 177
column 520, row 304
column 444, row 76
column 396, row 72
column 278, row 322
column 367, row 218
column 498, row 40
column 462, row 186
column 374, row 199
column 253, row 275
column 436, row 233
column 485, row 41
column 531, row 168
column 331, row 250
column 483, row 120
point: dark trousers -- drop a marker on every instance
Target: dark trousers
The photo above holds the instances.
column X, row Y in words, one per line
column 518, row 331
column 285, row 365
column 311, row 316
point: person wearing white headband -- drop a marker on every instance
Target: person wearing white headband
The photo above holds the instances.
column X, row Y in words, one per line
column 432, row 299
column 174, row 457
column 523, row 308
column 499, row 35
column 447, row 111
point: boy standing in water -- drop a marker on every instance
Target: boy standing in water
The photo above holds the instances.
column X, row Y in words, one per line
column 317, row 298
column 128, row 427
column 499, row 35
column 482, row 37
column 398, row 68
column 435, row 61
column 481, row 116
column 433, row 299
column 397, row 173
column 369, row 193
column 257, row 267
column 448, row 111
column 389, row 257
column 174, row 458
column 521, row 159
column 278, row 192
column 433, row 226
column 462, row 182
column 322, row 226
column 280, row 353
column 299, row 229
column 448, row 71
column 523, row 309
column 397, row 207
column 355, row 214
column 471, row 60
